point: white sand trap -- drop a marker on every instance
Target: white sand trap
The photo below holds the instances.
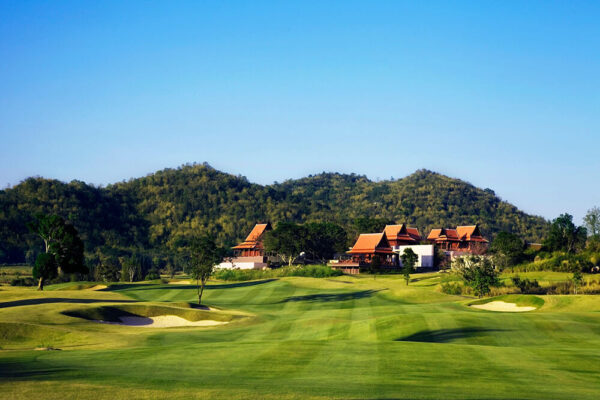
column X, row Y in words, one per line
column 98, row 287
column 162, row 321
column 180, row 283
column 502, row 306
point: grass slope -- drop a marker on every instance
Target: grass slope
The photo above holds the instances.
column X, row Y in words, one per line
column 344, row 337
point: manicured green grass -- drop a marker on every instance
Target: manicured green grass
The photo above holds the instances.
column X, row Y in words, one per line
column 342, row 337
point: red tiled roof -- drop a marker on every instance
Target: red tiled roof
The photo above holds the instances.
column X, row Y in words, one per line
column 368, row 243
column 414, row 233
column 468, row 233
column 402, row 232
column 253, row 239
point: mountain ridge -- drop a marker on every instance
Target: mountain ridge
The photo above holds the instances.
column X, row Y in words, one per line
column 158, row 210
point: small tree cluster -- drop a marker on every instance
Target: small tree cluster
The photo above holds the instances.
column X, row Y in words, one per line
column 409, row 260
column 478, row 273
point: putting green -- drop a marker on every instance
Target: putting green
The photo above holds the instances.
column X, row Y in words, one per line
column 292, row 338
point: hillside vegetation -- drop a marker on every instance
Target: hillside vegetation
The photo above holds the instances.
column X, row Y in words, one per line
column 158, row 210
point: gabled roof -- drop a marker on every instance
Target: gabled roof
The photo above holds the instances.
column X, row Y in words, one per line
column 257, row 232
column 253, row 239
column 370, row 243
column 414, row 233
column 401, row 232
column 470, row 233
column 443, row 234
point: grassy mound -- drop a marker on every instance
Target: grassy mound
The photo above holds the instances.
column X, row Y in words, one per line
column 521, row 300
column 113, row 313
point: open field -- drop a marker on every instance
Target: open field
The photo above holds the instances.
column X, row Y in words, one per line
column 343, row 337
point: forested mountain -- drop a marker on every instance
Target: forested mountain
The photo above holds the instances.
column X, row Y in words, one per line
column 157, row 211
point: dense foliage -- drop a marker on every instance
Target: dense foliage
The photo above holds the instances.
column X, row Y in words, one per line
column 312, row 271
column 156, row 213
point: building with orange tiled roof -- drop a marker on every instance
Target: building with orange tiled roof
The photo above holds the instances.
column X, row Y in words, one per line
column 253, row 245
column 463, row 238
column 401, row 235
column 368, row 246
column 250, row 254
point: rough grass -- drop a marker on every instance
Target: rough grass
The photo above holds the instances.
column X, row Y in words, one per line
column 343, row 337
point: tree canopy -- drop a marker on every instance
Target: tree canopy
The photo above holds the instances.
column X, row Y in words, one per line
column 158, row 212
column 564, row 235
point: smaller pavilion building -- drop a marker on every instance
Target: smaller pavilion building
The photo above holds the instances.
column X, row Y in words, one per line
column 465, row 239
column 368, row 248
column 250, row 254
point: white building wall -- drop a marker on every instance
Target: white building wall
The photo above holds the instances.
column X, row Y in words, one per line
column 242, row 265
column 426, row 254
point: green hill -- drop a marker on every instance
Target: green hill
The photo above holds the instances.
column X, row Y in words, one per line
column 152, row 212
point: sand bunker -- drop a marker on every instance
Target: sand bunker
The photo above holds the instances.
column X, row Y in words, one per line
column 180, row 283
column 98, row 287
column 502, row 306
column 162, row 321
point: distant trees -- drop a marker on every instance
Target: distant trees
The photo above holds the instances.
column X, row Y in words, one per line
column 508, row 249
column 63, row 248
column 565, row 236
column 318, row 240
column 409, row 259
column 592, row 221
column 324, row 239
column 287, row 240
column 204, row 254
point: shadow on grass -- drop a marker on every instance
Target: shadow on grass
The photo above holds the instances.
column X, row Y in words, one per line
column 330, row 297
column 126, row 286
column 447, row 335
column 50, row 300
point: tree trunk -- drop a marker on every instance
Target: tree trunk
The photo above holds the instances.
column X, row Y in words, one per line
column 41, row 284
column 200, row 291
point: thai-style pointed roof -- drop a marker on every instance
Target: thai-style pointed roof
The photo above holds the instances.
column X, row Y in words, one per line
column 371, row 243
column 468, row 233
column 443, row 234
column 401, row 233
column 254, row 238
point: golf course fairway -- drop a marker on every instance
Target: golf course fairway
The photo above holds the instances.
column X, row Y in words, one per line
column 296, row 338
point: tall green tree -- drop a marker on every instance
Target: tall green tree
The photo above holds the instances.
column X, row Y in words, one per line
column 478, row 273
column 565, row 236
column 287, row 240
column 204, row 255
column 409, row 259
column 62, row 241
column 324, row 239
column 508, row 249
column 45, row 268
column 592, row 221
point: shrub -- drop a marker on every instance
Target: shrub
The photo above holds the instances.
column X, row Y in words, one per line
column 525, row 285
column 152, row 274
column 560, row 288
column 452, row 288
column 22, row 282
column 314, row 271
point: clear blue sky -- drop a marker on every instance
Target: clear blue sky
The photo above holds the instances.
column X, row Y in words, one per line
column 502, row 94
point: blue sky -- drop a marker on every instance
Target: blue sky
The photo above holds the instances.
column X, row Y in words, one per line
column 505, row 95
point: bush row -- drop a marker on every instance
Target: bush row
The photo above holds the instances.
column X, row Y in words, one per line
column 313, row 271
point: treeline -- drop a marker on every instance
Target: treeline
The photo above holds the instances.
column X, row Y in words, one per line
column 151, row 217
